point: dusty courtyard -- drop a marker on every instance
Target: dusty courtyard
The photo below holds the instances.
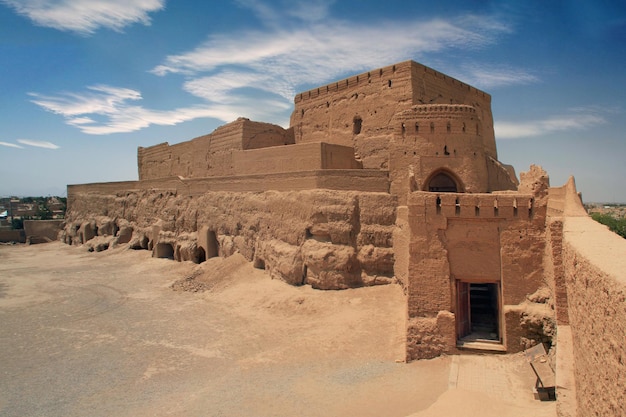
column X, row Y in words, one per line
column 104, row 334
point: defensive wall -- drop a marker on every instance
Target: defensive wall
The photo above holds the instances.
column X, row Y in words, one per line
column 328, row 239
column 459, row 239
column 430, row 139
column 42, row 231
column 390, row 176
column 328, row 179
column 589, row 281
column 8, row 235
column 209, row 155
column 357, row 111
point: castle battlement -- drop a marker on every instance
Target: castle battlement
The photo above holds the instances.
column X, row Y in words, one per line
column 387, row 75
column 440, row 110
column 514, row 206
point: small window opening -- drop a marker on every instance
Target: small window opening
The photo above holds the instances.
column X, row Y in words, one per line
column 495, row 208
column 432, row 128
column 477, row 211
column 356, row 125
column 530, row 208
column 448, row 127
column 457, row 207
column 438, row 203
column 403, row 129
column 417, row 127
column 445, row 150
column 514, row 207
column 463, row 128
column 389, row 83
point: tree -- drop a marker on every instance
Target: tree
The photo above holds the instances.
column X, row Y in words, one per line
column 616, row 225
column 17, row 224
column 43, row 212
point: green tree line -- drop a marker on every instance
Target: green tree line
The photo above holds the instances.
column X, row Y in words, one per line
column 617, row 225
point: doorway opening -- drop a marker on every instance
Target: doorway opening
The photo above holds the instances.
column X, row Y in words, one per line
column 478, row 312
column 443, row 181
column 164, row 250
column 199, row 255
column 212, row 249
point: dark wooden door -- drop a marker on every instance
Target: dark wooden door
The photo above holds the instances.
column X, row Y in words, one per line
column 463, row 319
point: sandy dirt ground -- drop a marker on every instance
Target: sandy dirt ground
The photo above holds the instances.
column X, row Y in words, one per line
column 104, row 334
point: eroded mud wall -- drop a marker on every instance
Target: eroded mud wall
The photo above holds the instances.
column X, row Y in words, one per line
column 328, row 239
column 594, row 262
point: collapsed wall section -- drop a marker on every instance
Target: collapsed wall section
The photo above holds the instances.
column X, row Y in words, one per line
column 330, row 240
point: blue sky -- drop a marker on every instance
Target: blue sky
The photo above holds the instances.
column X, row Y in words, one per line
column 83, row 83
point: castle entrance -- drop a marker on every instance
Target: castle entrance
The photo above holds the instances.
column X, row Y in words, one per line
column 442, row 183
column 478, row 312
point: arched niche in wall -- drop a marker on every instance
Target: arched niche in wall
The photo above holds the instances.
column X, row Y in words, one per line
column 443, row 181
column 357, row 122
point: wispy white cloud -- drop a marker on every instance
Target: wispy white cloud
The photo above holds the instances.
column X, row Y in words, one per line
column 574, row 120
column 102, row 110
column 38, row 143
column 86, row 16
column 10, row 145
column 493, row 76
column 309, row 10
column 256, row 73
column 318, row 52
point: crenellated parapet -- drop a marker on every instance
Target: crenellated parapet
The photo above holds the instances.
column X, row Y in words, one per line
column 510, row 207
column 386, row 75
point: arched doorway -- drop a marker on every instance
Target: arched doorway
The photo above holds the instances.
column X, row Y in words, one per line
column 443, row 182
column 199, row 256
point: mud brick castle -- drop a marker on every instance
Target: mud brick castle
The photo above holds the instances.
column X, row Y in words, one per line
column 390, row 176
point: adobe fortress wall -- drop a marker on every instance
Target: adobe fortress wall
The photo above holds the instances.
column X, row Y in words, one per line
column 496, row 238
column 357, row 111
column 390, row 176
column 210, row 155
column 325, row 238
column 449, row 138
column 588, row 274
